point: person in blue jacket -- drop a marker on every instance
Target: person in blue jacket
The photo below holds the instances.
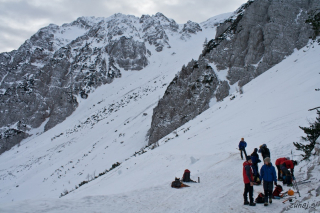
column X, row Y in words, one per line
column 268, row 175
column 242, row 148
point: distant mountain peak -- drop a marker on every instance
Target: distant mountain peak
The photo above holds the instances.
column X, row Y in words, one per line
column 45, row 77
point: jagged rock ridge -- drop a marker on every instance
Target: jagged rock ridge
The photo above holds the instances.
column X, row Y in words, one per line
column 43, row 80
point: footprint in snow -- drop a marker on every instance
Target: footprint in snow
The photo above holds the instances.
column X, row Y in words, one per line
column 193, row 160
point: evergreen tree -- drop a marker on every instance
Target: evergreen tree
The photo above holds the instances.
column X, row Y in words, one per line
column 205, row 43
column 313, row 133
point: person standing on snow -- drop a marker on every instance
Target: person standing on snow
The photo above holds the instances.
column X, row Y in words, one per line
column 268, row 175
column 278, row 162
column 255, row 160
column 265, row 152
column 248, row 182
column 242, row 148
column 285, row 166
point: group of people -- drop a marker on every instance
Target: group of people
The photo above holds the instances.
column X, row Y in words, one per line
column 267, row 174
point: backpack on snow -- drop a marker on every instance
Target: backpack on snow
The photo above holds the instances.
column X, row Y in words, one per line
column 258, row 181
column 178, row 184
column 260, row 198
column 277, row 191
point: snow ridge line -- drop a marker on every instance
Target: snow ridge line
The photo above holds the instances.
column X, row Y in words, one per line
column 115, row 165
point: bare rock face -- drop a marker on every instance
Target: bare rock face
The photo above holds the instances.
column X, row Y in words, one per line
column 129, row 54
column 259, row 35
column 196, row 82
column 154, row 29
column 188, row 29
column 191, row 27
column 10, row 138
column 222, row 90
column 44, row 78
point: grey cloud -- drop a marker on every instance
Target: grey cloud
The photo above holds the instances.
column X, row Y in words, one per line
column 19, row 19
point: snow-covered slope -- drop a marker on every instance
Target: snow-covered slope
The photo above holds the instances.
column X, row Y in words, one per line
column 107, row 127
column 270, row 110
column 44, row 80
column 259, row 35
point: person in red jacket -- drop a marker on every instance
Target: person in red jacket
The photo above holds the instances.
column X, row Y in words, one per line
column 285, row 166
column 279, row 161
column 248, row 182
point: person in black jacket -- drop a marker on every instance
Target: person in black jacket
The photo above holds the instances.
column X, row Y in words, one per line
column 265, row 152
column 255, row 160
column 186, row 176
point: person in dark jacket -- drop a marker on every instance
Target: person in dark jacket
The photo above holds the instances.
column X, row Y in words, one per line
column 265, row 152
column 255, row 160
column 278, row 162
column 242, row 148
column 268, row 175
column 248, row 181
column 285, row 166
column 186, row 176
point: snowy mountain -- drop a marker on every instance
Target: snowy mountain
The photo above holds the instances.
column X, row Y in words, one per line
column 270, row 110
column 109, row 125
column 91, row 154
column 44, row 81
column 259, row 35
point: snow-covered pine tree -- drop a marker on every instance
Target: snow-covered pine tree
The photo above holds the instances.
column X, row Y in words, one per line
column 313, row 133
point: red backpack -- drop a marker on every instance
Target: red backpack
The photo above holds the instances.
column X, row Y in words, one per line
column 277, row 191
column 260, row 198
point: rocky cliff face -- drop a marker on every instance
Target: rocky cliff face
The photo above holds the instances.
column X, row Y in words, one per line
column 257, row 36
column 43, row 80
column 194, row 84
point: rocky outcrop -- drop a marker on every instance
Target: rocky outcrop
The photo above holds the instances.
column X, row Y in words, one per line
column 259, row 35
column 196, row 82
column 191, row 27
column 44, row 78
column 129, row 54
column 314, row 21
column 10, row 138
column 154, row 30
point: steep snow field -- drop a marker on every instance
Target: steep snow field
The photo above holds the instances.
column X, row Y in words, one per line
column 108, row 127
column 111, row 125
column 270, row 111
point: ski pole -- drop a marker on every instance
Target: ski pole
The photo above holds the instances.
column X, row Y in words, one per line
column 296, row 186
column 288, row 199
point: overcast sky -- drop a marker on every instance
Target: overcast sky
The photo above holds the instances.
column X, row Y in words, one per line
column 19, row 19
